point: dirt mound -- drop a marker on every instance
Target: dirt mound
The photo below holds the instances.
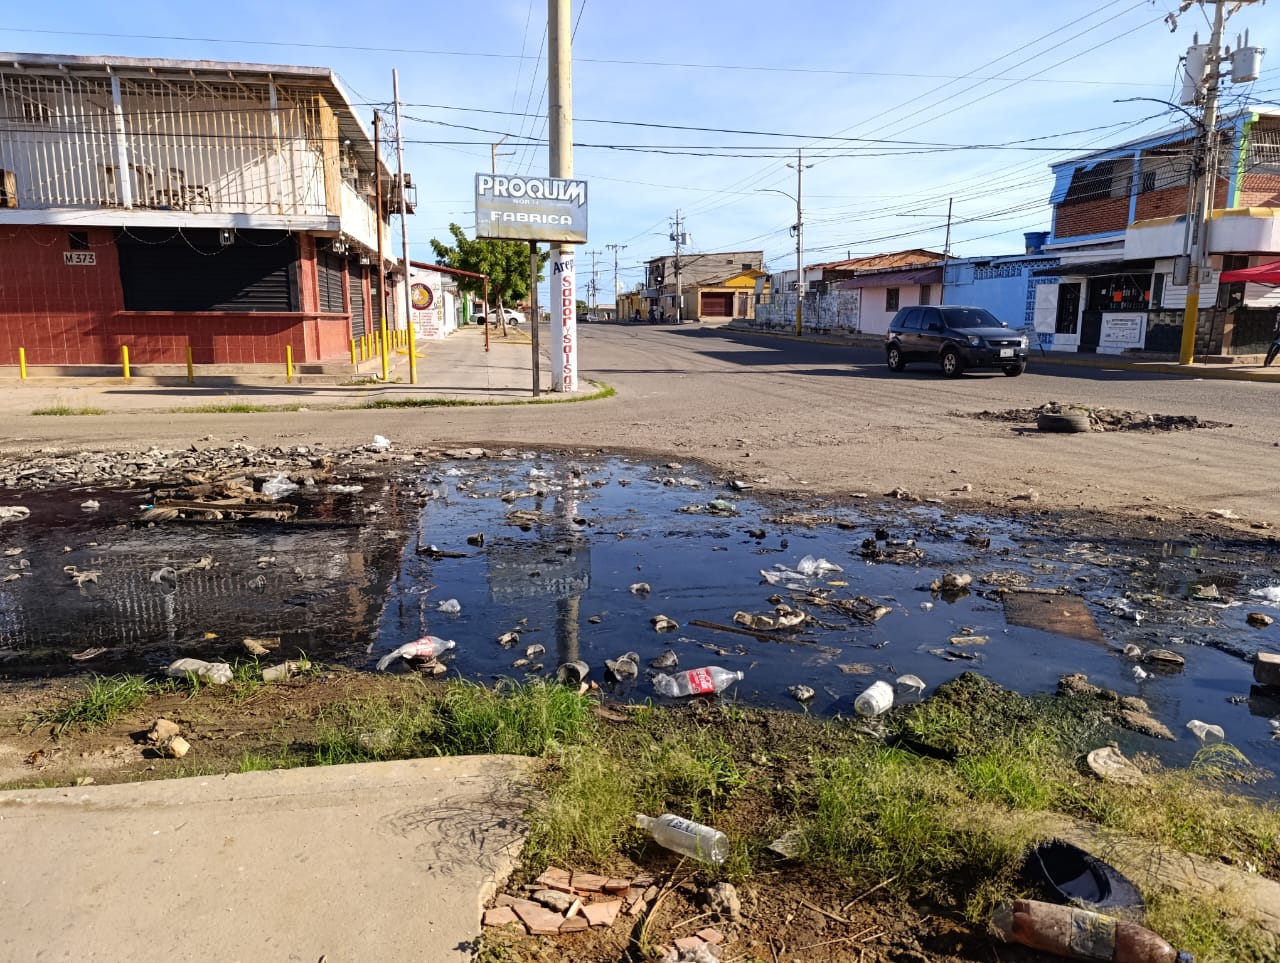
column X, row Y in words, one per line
column 1100, row 419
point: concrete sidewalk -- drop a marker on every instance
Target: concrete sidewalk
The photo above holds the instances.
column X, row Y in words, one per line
column 455, row 369
column 387, row 861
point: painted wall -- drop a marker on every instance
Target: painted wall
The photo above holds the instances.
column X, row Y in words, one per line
column 1002, row 286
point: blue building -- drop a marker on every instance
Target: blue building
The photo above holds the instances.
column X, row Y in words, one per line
column 1005, row 286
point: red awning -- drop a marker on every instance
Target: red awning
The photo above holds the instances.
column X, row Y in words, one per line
column 930, row 275
column 1261, row 274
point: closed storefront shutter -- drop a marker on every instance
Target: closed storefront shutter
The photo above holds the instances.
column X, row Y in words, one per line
column 717, row 305
column 193, row 270
column 329, row 271
column 356, row 276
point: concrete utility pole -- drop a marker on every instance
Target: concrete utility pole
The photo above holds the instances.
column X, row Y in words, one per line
column 404, row 233
column 591, row 288
column 494, row 154
column 615, row 248
column 946, row 253
column 676, row 236
column 381, row 274
column 564, row 288
column 1200, row 217
column 799, row 165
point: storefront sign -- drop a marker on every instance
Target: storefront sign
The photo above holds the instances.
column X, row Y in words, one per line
column 1120, row 331
column 531, row 208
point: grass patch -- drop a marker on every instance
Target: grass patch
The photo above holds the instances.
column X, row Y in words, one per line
column 237, row 408
column 1206, row 926
column 69, row 410
column 602, row 391
column 105, row 699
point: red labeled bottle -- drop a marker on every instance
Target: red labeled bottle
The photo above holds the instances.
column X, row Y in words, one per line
column 1080, row 934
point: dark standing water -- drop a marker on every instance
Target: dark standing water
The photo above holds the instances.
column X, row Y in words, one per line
column 563, row 544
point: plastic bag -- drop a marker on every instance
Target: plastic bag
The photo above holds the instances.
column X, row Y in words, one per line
column 278, row 487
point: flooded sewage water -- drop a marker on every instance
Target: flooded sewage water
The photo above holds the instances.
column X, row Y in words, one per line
column 552, row 552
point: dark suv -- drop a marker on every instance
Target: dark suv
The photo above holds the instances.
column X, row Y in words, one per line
column 955, row 338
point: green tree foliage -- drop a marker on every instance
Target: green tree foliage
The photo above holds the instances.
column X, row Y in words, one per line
column 505, row 262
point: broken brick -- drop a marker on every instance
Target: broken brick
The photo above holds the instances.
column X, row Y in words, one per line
column 617, row 885
column 539, row 920
column 602, row 913
column 689, row 943
column 500, row 916
column 589, row 882
column 575, row 924
column 504, row 899
column 554, row 878
column 711, row 935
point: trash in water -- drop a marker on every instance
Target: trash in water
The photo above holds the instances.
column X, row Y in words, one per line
column 1123, row 608
column 380, row 443
column 705, row 681
column 572, row 673
column 686, row 837
column 533, row 651
column 449, row 607
column 92, row 505
column 801, row 693
column 278, row 487
column 667, row 660
column 1062, row 873
column 87, row 654
column 912, row 684
column 218, row 673
column 426, row 648
column 1139, row 674
column 345, row 489
column 810, row 566
column 877, row 699
column 1268, row 593
column 509, row 639
column 639, row 588
column 1165, row 657
column 1132, row 651
column 166, row 574
column 623, row 668
column 661, row 623
column 1206, row 593
column 1110, row 765
column 1206, row 732
column 13, row 513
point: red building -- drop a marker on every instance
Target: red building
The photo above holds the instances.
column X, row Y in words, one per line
column 160, row 205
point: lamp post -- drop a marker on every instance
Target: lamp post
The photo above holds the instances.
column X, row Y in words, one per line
column 799, row 253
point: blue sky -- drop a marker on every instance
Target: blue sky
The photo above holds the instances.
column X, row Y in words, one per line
column 924, row 83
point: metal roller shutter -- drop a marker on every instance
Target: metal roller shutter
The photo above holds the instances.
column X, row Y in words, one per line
column 329, row 271
column 717, row 305
column 192, row 270
column 356, row 273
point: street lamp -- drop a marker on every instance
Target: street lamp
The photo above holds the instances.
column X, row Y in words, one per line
column 799, row 251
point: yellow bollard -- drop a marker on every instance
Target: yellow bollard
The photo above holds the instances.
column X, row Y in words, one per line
column 288, row 364
column 353, row 351
column 22, row 363
column 124, row 360
column 191, row 368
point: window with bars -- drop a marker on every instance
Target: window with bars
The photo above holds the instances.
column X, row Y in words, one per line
column 1264, row 152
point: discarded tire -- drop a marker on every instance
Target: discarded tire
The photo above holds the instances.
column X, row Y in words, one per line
column 1064, row 421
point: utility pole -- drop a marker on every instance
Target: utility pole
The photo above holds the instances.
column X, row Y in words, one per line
column 615, row 248
column 676, row 236
column 1200, row 216
column 494, row 155
column 799, row 165
column 591, row 298
column 564, row 287
column 404, row 233
column 381, row 274
column 946, row 253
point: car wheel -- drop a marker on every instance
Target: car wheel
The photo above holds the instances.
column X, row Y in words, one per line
column 1073, row 420
column 895, row 359
column 952, row 365
column 1013, row 370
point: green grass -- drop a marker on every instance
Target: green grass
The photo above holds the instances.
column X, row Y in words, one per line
column 1206, row 926
column 105, row 699
column 602, row 391
column 237, row 408
column 69, row 410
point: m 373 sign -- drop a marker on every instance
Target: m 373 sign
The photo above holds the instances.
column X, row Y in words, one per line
column 531, row 208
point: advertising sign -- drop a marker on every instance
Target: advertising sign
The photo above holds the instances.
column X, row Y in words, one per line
column 424, row 297
column 522, row 208
column 564, row 321
column 1120, row 331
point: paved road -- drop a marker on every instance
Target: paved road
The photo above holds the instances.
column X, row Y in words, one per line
column 810, row 417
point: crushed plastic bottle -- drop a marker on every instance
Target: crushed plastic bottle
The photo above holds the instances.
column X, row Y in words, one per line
column 1080, row 934
column 705, row 681
column 686, row 837
column 449, row 607
column 427, row 647
column 876, row 699
column 219, row 673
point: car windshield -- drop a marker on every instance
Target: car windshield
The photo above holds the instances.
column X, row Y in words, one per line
column 970, row 318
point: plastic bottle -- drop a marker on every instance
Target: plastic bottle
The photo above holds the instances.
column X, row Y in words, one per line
column 1080, row 934
column 684, row 836
column 875, row 700
column 704, row 681
column 427, row 647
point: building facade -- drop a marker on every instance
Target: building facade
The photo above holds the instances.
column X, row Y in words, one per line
column 162, row 205
column 692, row 272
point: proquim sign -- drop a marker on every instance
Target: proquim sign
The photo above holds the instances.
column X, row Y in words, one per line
column 531, row 208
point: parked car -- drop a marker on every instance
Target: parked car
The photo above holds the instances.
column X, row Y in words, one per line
column 512, row 317
column 956, row 338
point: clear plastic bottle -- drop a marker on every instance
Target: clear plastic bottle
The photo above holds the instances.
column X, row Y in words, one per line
column 704, row 681
column 875, row 700
column 427, row 647
column 684, row 836
column 1080, row 934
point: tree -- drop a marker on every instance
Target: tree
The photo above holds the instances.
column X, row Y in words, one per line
column 505, row 262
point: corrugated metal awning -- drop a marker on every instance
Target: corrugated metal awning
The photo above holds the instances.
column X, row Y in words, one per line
column 892, row 279
column 1095, row 269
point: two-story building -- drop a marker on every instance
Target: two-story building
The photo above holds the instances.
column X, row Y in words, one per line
column 727, row 278
column 1121, row 231
column 163, row 204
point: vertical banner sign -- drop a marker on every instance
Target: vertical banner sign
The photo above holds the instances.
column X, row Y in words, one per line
column 564, row 320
